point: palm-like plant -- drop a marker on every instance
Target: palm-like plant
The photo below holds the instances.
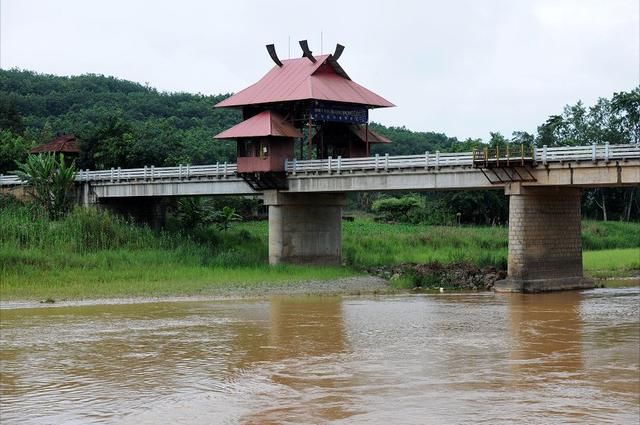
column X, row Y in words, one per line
column 49, row 181
column 225, row 217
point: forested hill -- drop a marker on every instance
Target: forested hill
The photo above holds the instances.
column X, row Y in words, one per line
column 127, row 124
column 117, row 121
column 122, row 123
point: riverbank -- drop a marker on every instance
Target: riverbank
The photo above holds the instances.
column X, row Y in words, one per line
column 95, row 255
column 349, row 286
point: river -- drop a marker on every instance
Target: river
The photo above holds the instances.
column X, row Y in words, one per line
column 571, row 357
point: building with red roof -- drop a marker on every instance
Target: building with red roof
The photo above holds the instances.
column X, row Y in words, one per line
column 310, row 102
column 65, row 144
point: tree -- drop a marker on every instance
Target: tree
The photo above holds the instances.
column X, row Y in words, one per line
column 13, row 148
column 548, row 131
column 107, row 143
column 626, row 108
column 194, row 212
column 10, row 118
column 523, row 138
column 49, row 181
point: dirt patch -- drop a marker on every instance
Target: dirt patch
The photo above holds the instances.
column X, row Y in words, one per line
column 464, row 276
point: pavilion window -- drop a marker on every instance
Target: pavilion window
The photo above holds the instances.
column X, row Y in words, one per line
column 264, row 150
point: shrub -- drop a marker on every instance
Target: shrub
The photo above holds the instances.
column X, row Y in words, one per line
column 397, row 209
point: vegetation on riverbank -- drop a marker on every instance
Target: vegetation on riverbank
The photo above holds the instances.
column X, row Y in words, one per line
column 95, row 254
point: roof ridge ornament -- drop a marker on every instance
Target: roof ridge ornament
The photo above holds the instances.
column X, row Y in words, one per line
column 306, row 53
column 338, row 52
column 271, row 48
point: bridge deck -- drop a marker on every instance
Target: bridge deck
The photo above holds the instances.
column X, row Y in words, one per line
column 432, row 162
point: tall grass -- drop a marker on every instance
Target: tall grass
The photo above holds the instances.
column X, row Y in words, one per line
column 371, row 244
column 85, row 231
column 93, row 253
column 598, row 235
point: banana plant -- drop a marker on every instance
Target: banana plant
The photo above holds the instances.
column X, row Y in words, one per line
column 49, row 180
column 225, row 217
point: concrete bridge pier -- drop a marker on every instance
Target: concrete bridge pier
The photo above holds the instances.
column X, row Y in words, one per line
column 545, row 247
column 304, row 228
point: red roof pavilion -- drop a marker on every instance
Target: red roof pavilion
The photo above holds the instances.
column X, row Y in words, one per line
column 61, row 144
column 310, row 97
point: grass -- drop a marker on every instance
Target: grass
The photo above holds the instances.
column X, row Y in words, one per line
column 370, row 244
column 91, row 254
column 611, row 262
column 124, row 273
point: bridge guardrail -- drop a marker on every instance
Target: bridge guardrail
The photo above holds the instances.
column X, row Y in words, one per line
column 218, row 170
column 438, row 159
column 338, row 165
column 380, row 162
column 592, row 152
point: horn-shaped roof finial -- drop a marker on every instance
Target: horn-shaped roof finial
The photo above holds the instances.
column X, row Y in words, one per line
column 305, row 51
column 338, row 51
column 274, row 56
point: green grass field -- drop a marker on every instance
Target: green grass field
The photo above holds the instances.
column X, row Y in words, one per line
column 92, row 254
column 611, row 262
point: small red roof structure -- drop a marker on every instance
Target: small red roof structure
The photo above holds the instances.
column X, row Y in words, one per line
column 367, row 135
column 310, row 97
column 61, row 144
column 302, row 79
column 265, row 123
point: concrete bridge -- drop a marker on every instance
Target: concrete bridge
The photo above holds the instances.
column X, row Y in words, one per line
column 545, row 251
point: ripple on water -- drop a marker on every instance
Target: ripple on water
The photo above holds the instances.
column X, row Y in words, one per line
column 445, row 358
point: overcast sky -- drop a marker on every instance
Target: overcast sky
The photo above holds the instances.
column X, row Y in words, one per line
column 464, row 68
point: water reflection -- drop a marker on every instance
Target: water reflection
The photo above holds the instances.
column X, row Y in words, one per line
column 450, row 358
column 558, row 359
column 293, row 327
column 546, row 333
column 304, row 343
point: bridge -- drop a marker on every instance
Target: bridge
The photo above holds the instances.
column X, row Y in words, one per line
column 544, row 189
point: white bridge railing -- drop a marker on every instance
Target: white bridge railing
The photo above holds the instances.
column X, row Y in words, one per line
column 435, row 161
column 439, row 160
column 218, row 170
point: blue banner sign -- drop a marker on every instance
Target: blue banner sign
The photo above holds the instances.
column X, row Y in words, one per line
column 337, row 114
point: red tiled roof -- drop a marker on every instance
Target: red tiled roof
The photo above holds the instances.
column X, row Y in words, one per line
column 64, row 144
column 301, row 79
column 266, row 123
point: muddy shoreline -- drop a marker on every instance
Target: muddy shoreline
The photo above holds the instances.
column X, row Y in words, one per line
column 454, row 279
column 360, row 285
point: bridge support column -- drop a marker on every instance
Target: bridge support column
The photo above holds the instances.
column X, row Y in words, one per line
column 88, row 198
column 304, row 228
column 545, row 248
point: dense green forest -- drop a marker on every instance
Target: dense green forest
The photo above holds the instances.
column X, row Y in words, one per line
column 127, row 124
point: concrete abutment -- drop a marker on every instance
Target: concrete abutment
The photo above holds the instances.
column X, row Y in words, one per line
column 545, row 246
column 305, row 228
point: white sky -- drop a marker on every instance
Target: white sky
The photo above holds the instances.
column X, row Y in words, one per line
column 464, row 68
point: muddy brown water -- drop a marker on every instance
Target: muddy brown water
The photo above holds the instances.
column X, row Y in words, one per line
column 447, row 358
